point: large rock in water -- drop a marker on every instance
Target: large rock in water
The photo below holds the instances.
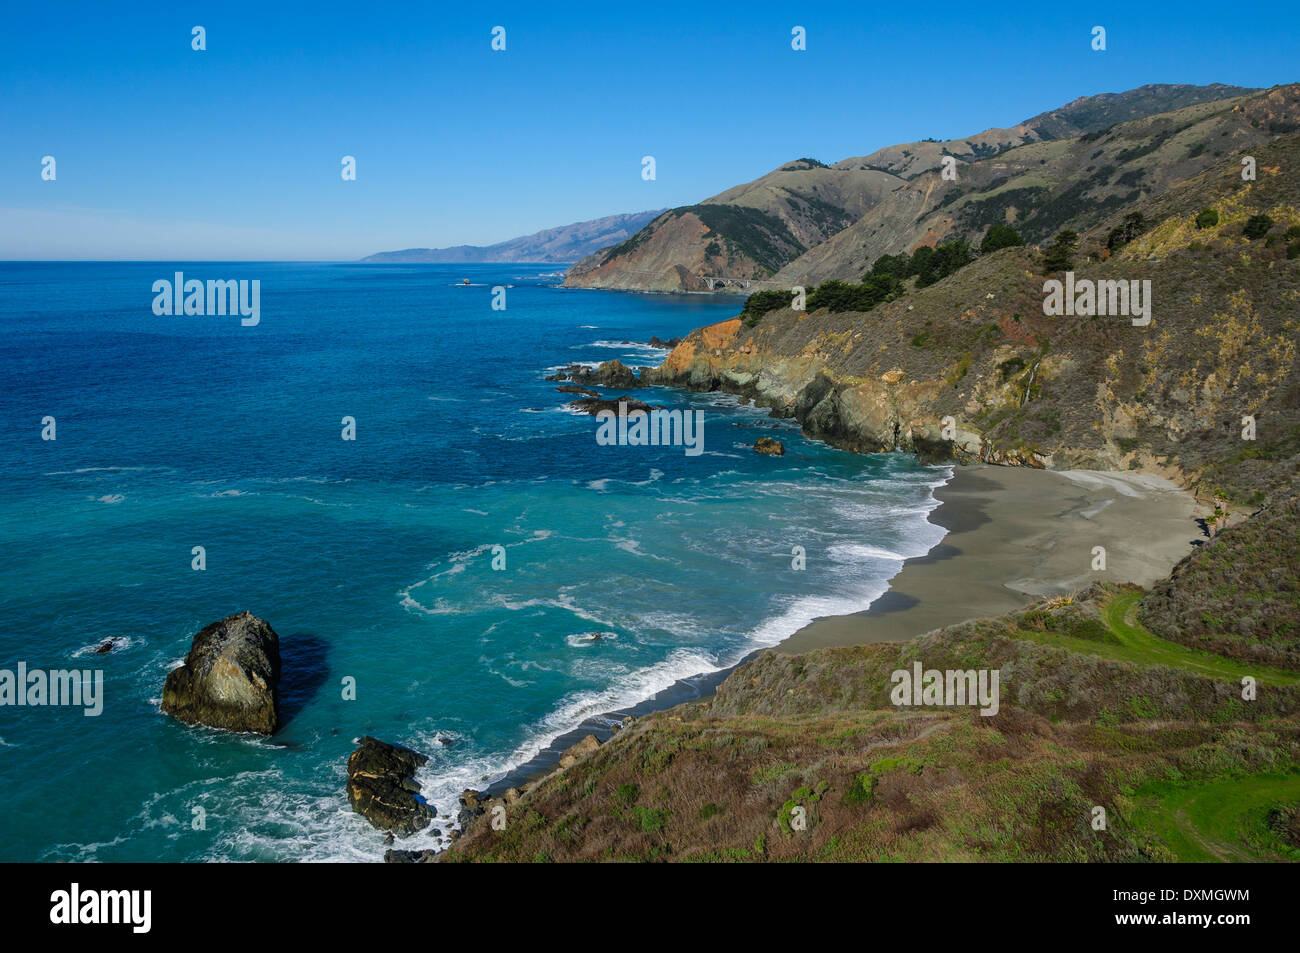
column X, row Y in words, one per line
column 229, row 678
column 382, row 789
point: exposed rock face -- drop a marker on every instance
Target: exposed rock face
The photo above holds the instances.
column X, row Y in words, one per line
column 574, row 753
column 472, row 806
column 769, row 446
column 229, row 678
column 381, row 787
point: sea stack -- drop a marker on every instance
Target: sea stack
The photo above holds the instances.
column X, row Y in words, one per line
column 229, row 678
column 382, row 787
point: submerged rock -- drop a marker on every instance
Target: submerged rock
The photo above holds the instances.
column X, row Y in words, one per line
column 770, row 446
column 594, row 405
column 230, row 677
column 381, row 787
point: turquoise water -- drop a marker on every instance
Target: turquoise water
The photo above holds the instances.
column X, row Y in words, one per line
column 372, row 558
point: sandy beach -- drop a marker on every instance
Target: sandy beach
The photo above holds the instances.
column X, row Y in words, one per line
column 1016, row 535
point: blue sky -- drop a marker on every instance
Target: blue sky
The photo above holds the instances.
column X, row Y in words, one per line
column 234, row 152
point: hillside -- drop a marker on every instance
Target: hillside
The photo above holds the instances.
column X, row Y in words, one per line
column 1095, row 712
column 1175, row 711
column 1043, row 187
column 807, row 222
column 565, row 244
column 1025, row 388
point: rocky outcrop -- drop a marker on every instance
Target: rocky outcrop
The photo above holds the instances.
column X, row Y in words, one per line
column 576, row 752
column 594, row 405
column 381, row 787
column 609, row 374
column 229, row 678
column 392, row 856
column 769, row 446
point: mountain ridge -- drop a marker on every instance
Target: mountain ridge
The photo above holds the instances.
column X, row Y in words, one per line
column 562, row 244
column 792, row 214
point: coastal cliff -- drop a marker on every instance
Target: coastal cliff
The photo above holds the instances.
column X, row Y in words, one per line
column 1020, row 387
column 1131, row 726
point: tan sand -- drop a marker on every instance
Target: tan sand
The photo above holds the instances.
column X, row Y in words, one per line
column 1016, row 535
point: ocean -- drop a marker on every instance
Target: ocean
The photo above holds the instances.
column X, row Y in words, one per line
column 373, row 558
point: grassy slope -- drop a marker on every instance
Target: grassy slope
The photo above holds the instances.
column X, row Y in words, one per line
column 1096, row 711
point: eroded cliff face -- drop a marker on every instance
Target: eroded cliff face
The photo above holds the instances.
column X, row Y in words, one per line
column 824, row 373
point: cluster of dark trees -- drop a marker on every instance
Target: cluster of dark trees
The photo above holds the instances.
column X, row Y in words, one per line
column 885, row 279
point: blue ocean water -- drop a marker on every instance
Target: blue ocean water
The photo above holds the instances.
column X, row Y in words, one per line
column 372, row 558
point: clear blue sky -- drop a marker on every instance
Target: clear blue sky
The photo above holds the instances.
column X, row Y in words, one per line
column 234, row 153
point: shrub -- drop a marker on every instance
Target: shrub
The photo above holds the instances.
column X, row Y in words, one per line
column 1000, row 236
column 862, row 790
column 1257, row 226
column 1207, row 218
column 761, row 302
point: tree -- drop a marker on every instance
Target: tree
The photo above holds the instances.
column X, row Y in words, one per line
column 1207, row 218
column 1060, row 254
column 1257, row 226
column 1126, row 231
column 1000, row 236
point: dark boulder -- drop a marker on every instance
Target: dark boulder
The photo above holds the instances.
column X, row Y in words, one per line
column 230, row 677
column 382, row 789
column 411, row 856
column 594, row 405
column 769, row 446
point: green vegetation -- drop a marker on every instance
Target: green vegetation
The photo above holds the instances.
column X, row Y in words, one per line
column 1134, row 643
column 838, row 296
column 927, row 265
column 1207, row 218
column 1257, row 226
column 1133, row 225
column 1000, row 236
column 1060, row 254
column 761, row 302
column 1243, row 819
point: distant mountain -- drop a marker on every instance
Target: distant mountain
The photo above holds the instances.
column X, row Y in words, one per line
column 810, row 221
column 564, row 244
